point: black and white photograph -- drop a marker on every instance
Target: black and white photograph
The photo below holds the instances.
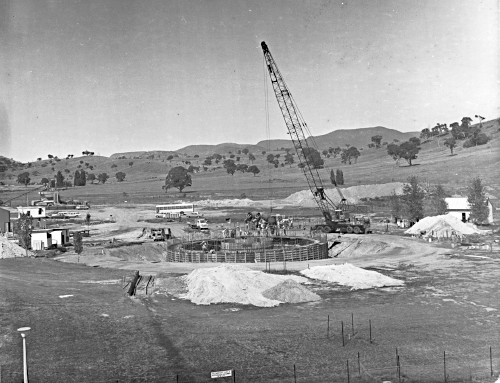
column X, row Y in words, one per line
column 196, row 191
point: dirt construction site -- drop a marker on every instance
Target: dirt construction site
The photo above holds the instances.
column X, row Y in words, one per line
column 252, row 306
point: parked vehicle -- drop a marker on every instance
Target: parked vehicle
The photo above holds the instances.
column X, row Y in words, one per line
column 199, row 224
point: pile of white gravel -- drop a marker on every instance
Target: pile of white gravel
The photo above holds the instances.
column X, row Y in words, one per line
column 439, row 225
column 234, row 284
column 9, row 249
column 352, row 276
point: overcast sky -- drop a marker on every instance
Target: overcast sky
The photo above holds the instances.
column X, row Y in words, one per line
column 127, row 75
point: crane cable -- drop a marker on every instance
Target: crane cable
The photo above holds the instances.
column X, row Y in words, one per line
column 268, row 130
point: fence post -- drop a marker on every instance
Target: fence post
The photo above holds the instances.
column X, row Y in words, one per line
column 294, row 374
column 352, row 323
column 399, row 371
column 348, row 377
column 359, row 366
column 328, row 330
column 491, row 362
column 444, row 365
column 343, row 343
column 370, row 321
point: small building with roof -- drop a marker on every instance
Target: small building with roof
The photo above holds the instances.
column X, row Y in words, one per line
column 459, row 207
column 47, row 238
column 5, row 224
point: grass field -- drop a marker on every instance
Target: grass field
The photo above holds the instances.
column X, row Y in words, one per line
column 101, row 335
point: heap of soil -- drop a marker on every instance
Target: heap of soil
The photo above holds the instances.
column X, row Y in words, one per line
column 439, row 225
column 232, row 284
column 290, row 291
column 352, row 276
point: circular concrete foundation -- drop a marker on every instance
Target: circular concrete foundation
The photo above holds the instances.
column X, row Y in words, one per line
column 247, row 250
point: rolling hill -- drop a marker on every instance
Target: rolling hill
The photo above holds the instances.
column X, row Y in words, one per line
column 145, row 174
column 354, row 137
column 205, row 150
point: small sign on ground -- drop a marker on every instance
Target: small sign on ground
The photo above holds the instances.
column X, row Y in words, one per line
column 221, row 374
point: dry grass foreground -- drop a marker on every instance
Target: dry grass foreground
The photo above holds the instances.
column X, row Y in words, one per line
column 96, row 333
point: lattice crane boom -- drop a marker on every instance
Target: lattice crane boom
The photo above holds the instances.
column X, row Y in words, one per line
column 295, row 124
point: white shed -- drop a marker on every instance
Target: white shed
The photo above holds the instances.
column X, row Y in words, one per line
column 60, row 236
column 32, row 211
column 459, row 207
column 41, row 239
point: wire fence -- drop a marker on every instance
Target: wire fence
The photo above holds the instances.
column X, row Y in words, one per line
column 358, row 369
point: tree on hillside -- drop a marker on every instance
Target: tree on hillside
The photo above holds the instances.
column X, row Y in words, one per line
column 24, row 178
column 80, row 178
column 245, row 151
column 377, row 140
column 437, row 201
column 451, row 143
column 456, row 131
column 102, row 178
column 44, row 181
column 242, row 168
column 410, row 149
column 59, row 180
column 332, row 178
column 251, row 157
column 407, row 150
column 425, row 134
column 466, row 123
column 177, row 177
column 270, row 158
column 478, row 202
column 91, row 177
column 130, row 163
column 347, row 155
column 170, row 157
column 325, row 153
column 230, row 166
column 339, row 177
column 289, row 159
column 208, row 161
column 313, row 158
column 413, row 199
column 50, row 156
column 120, row 176
column 253, row 169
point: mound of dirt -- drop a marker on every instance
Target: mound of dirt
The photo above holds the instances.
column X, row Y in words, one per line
column 442, row 226
column 10, row 249
column 243, row 202
column 349, row 275
column 353, row 194
column 355, row 247
column 232, row 284
column 290, row 291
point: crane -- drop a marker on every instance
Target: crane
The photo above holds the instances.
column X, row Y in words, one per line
column 295, row 123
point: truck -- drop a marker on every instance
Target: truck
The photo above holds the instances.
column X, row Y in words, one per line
column 158, row 234
column 199, row 224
